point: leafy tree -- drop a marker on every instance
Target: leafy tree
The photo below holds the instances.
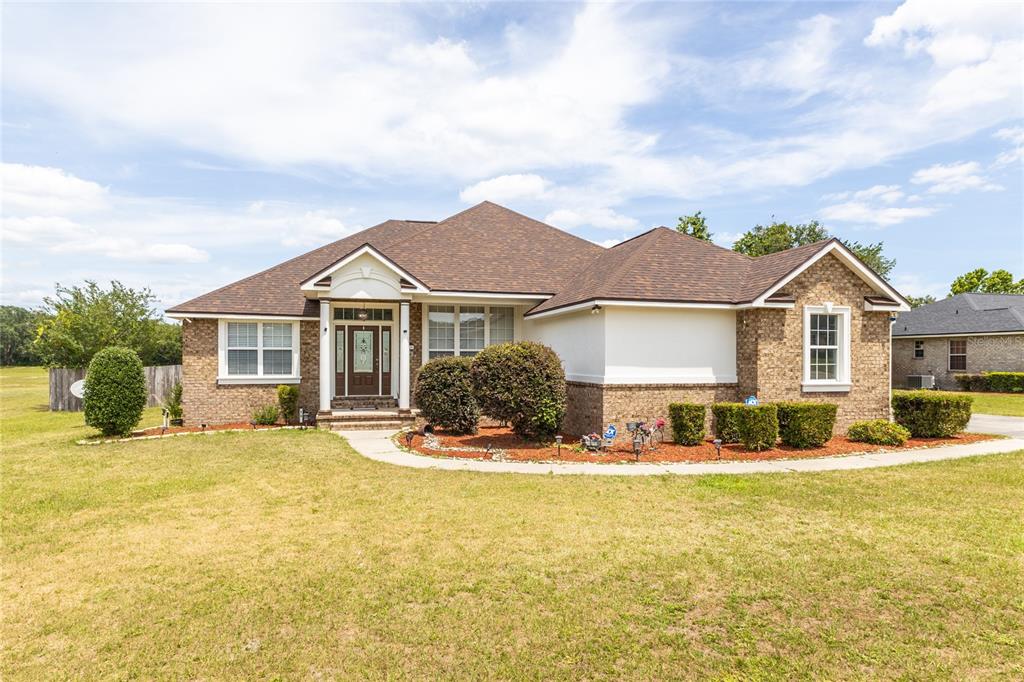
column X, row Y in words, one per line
column 985, row 282
column 17, row 330
column 764, row 239
column 918, row 301
column 83, row 320
column 695, row 225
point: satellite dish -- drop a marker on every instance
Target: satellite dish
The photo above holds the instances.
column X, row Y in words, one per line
column 78, row 388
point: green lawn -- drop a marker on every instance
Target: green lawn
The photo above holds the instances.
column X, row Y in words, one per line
column 284, row 555
column 1010, row 404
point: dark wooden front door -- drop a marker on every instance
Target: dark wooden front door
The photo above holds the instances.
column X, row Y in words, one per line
column 363, row 360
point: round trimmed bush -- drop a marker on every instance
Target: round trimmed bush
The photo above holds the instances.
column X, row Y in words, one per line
column 687, row 423
column 727, row 421
column 759, row 426
column 932, row 414
column 806, row 424
column 522, row 384
column 115, row 391
column 878, row 432
column 444, row 394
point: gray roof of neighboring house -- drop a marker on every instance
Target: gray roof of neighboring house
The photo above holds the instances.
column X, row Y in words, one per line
column 964, row 314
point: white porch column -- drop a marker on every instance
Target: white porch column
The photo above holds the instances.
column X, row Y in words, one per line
column 325, row 356
column 403, row 356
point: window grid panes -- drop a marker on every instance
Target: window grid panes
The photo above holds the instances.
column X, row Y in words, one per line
column 440, row 331
column 918, row 349
column 824, row 347
column 248, row 341
column 243, row 341
column 502, row 325
column 958, row 354
column 372, row 314
column 471, row 329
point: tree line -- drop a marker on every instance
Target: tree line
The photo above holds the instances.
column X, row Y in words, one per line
column 76, row 322
column 777, row 236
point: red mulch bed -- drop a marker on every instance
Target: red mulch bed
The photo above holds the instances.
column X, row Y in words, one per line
column 517, row 450
column 159, row 430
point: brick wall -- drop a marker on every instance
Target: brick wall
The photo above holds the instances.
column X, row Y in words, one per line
column 415, row 347
column 769, row 346
column 203, row 400
column 984, row 354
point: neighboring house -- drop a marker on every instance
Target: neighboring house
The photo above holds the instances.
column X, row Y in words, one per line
column 964, row 333
column 659, row 318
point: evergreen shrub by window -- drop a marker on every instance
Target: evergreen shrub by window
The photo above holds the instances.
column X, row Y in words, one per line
column 115, row 391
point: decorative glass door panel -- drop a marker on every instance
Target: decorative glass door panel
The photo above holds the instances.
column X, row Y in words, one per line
column 364, row 360
column 339, row 361
column 385, row 360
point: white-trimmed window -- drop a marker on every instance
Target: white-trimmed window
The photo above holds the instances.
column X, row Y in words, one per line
column 958, row 355
column 467, row 329
column 918, row 350
column 826, row 348
column 254, row 352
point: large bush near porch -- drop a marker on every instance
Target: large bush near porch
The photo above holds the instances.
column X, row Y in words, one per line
column 115, row 391
column 444, row 394
column 931, row 414
column 522, row 384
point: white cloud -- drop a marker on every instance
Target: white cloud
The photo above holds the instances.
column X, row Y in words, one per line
column 869, row 214
column 609, row 243
column 603, row 218
column 1015, row 136
column 953, row 178
column 506, row 188
column 885, row 193
column 913, row 284
column 726, row 239
column 47, row 191
column 130, row 249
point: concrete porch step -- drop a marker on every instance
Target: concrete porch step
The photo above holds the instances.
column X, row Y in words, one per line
column 369, row 402
column 368, row 426
column 341, row 420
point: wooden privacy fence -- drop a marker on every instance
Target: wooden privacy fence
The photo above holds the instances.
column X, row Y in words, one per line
column 159, row 382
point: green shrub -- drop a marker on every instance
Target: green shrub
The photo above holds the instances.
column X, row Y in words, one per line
column 288, row 401
column 878, row 432
column 522, row 384
column 971, row 382
column 759, row 426
column 806, row 424
column 932, row 414
column 266, row 415
column 444, row 394
column 1004, row 382
column 173, row 402
column 727, row 421
column 687, row 423
column 115, row 391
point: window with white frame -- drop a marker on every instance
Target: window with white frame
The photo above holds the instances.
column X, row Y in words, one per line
column 467, row 329
column 259, row 349
column 826, row 348
column 958, row 355
column 918, row 350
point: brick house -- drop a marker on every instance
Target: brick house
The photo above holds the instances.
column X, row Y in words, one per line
column 966, row 333
column 659, row 318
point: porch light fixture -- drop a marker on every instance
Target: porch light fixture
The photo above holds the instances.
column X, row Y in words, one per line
column 362, row 315
column 558, row 440
column 595, row 310
column 718, row 446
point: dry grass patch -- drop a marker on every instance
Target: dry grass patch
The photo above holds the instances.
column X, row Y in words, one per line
column 286, row 555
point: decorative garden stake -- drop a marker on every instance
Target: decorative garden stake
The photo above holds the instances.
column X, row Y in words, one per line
column 558, row 441
column 718, row 446
column 202, row 426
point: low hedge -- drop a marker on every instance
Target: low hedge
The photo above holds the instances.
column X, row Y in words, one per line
column 115, row 391
column 759, row 426
column 687, row 423
column 932, row 414
column 806, row 424
column 266, row 415
column 727, row 424
column 878, row 432
column 444, row 394
column 996, row 382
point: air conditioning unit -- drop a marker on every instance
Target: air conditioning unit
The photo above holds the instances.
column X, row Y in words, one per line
column 921, row 381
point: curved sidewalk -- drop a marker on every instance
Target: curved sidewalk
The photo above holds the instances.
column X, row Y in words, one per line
column 377, row 445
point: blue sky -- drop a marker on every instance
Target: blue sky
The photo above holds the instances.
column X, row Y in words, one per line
column 184, row 147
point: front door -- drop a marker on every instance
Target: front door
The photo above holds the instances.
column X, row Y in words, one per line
column 363, row 360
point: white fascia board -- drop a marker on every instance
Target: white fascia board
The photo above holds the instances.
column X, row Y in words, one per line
column 850, row 261
column 875, row 307
column 954, row 336
column 483, row 294
column 587, row 305
column 234, row 316
column 667, row 379
column 310, row 284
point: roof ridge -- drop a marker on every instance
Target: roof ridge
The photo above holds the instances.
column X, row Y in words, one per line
column 626, row 241
column 622, row 269
column 709, row 243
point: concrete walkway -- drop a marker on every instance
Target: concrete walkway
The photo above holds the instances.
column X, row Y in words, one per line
column 995, row 423
column 378, row 445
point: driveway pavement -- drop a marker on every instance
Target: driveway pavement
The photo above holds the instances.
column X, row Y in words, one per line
column 994, row 423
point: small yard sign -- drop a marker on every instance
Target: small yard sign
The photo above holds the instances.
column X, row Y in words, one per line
column 611, row 432
column 750, row 400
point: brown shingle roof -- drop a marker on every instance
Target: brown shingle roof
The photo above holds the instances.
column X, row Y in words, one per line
column 490, row 249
